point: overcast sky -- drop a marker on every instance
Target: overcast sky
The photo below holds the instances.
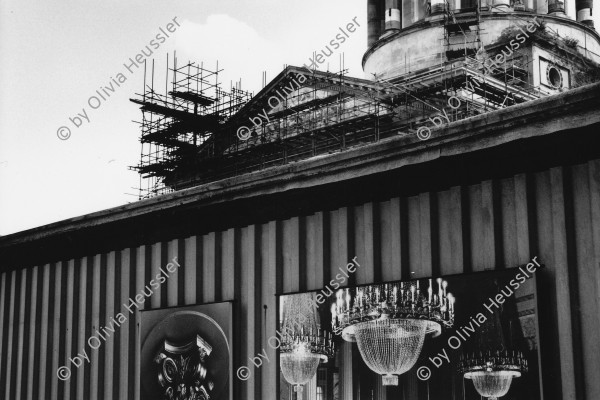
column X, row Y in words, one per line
column 56, row 54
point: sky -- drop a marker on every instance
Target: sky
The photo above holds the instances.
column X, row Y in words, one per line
column 57, row 54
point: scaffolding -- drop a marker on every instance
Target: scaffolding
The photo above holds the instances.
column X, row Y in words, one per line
column 175, row 124
column 299, row 115
column 462, row 32
column 327, row 113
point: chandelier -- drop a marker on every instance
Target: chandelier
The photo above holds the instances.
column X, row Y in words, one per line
column 303, row 344
column 389, row 322
column 492, row 372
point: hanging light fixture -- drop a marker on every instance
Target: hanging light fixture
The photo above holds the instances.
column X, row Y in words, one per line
column 494, row 362
column 389, row 322
column 301, row 354
column 303, row 344
column 492, row 372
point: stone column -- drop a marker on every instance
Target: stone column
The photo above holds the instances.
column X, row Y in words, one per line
column 392, row 15
column 374, row 20
column 584, row 12
column 556, row 7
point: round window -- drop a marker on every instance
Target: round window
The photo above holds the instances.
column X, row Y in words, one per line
column 554, row 77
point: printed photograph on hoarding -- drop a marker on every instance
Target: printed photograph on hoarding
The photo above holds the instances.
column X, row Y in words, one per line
column 186, row 353
column 468, row 336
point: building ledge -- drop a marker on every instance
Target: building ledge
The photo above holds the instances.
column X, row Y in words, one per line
column 198, row 207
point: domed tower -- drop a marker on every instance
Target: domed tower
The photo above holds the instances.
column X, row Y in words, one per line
column 546, row 46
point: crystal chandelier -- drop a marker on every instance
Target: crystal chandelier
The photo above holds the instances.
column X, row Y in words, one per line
column 492, row 372
column 303, row 344
column 389, row 322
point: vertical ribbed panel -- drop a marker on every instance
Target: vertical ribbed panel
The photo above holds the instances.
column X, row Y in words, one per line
column 450, row 207
column 33, row 331
column 586, row 205
column 70, row 297
column 80, row 337
column 291, row 255
column 21, row 332
column 193, row 273
column 95, row 355
column 172, row 284
column 270, row 250
column 210, row 243
column 122, row 351
column 12, row 303
column 48, row 312
column 314, row 252
column 4, row 304
column 108, row 346
column 141, row 278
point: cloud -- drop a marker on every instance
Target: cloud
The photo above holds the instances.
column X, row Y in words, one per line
column 243, row 53
column 237, row 46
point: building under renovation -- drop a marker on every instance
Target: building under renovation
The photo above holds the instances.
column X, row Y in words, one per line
column 468, row 148
column 425, row 67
